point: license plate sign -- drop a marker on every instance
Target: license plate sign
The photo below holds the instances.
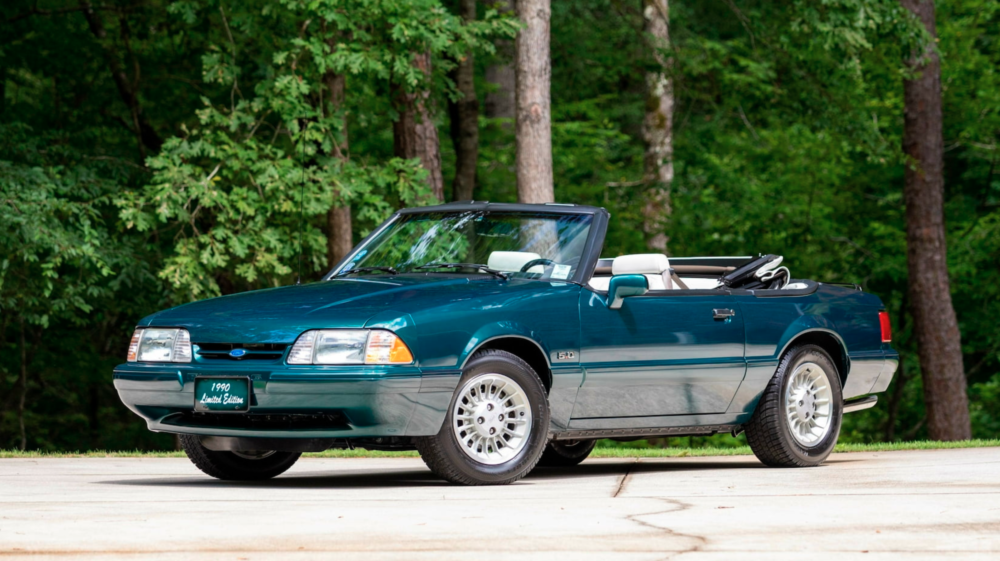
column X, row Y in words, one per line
column 222, row 394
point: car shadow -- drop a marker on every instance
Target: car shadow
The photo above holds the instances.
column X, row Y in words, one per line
column 375, row 478
column 657, row 465
column 421, row 477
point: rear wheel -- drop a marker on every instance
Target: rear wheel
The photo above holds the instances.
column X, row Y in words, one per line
column 496, row 426
column 239, row 466
column 566, row 453
column 797, row 421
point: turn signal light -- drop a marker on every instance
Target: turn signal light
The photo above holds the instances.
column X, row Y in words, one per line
column 349, row 346
column 384, row 347
column 883, row 319
column 133, row 346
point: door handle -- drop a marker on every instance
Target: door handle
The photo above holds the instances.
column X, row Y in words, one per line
column 722, row 313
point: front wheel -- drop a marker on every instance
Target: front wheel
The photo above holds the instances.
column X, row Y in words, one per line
column 238, row 466
column 496, row 426
column 797, row 421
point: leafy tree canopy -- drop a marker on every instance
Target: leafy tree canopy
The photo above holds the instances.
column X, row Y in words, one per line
column 158, row 151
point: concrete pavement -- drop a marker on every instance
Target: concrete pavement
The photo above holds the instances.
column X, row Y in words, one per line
column 915, row 505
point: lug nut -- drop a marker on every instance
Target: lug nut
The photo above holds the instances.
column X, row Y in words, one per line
column 493, row 431
column 489, row 407
column 500, row 418
column 480, row 420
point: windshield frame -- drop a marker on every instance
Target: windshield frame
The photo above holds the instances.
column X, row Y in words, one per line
column 588, row 260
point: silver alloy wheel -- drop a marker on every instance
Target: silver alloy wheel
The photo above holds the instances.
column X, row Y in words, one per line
column 253, row 454
column 491, row 419
column 809, row 404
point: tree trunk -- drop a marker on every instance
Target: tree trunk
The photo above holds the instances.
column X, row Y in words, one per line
column 500, row 104
column 896, row 397
column 339, row 235
column 24, row 389
column 465, row 120
column 414, row 134
column 146, row 136
column 534, row 116
column 657, row 127
column 934, row 321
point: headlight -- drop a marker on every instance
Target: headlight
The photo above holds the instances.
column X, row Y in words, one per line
column 160, row 345
column 349, row 346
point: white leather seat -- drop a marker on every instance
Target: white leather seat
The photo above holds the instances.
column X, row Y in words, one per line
column 512, row 261
column 600, row 283
column 654, row 266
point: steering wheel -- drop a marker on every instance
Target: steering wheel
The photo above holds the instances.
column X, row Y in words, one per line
column 533, row 262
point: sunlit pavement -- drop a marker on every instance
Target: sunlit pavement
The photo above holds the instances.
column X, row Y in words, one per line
column 914, row 505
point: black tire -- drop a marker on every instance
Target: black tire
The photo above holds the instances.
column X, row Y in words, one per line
column 441, row 452
column 230, row 466
column 566, row 453
column 768, row 432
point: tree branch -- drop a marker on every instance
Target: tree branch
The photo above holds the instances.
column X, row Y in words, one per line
column 145, row 135
column 39, row 12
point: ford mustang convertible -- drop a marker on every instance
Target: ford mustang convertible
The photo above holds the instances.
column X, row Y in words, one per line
column 495, row 337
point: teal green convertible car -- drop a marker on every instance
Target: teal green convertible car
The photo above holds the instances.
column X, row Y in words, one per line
column 494, row 337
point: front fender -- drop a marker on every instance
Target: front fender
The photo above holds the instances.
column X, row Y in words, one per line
column 400, row 323
column 498, row 330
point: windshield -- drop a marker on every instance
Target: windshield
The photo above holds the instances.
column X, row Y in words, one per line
column 517, row 244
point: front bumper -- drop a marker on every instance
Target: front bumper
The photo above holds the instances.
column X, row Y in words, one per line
column 294, row 401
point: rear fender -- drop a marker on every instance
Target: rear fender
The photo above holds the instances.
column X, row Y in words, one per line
column 760, row 370
column 799, row 329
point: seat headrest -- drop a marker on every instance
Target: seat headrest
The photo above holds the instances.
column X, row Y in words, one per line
column 640, row 264
column 510, row 261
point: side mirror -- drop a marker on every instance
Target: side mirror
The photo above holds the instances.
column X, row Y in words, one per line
column 625, row 285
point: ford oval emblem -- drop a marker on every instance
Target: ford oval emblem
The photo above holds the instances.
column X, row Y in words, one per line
column 237, row 353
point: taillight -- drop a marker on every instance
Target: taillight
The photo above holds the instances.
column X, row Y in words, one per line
column 883, row 319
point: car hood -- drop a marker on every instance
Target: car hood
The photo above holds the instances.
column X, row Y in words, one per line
column 279, row 315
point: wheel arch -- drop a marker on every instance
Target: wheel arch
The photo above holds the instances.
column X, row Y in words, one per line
column 526, row 348
column 827, row 340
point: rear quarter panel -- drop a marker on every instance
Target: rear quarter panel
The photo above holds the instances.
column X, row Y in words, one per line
column 773, row 323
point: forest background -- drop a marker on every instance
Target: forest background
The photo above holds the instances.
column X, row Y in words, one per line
column 153, row 152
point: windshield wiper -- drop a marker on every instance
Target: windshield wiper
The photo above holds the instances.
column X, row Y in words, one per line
column 389, row 270
column 476, row 266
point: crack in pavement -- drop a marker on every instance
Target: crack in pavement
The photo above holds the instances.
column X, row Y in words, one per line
column 701, row 541
column 624, row 479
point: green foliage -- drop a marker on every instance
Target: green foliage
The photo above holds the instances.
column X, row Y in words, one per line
column 238, row 202
column 59, row 263
column 788, row 126
column 241, row 191
column 604, row 449
column 787, row 134
column 63, row 269
column 379, row 37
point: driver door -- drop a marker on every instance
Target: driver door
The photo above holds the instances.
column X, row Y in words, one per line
column 663, row 353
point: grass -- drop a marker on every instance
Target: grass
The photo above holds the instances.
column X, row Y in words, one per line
column 599, row 452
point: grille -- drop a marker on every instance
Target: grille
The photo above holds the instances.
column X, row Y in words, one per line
column 254, row 351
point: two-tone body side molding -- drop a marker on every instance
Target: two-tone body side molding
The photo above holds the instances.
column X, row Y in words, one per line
column 860, row 403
